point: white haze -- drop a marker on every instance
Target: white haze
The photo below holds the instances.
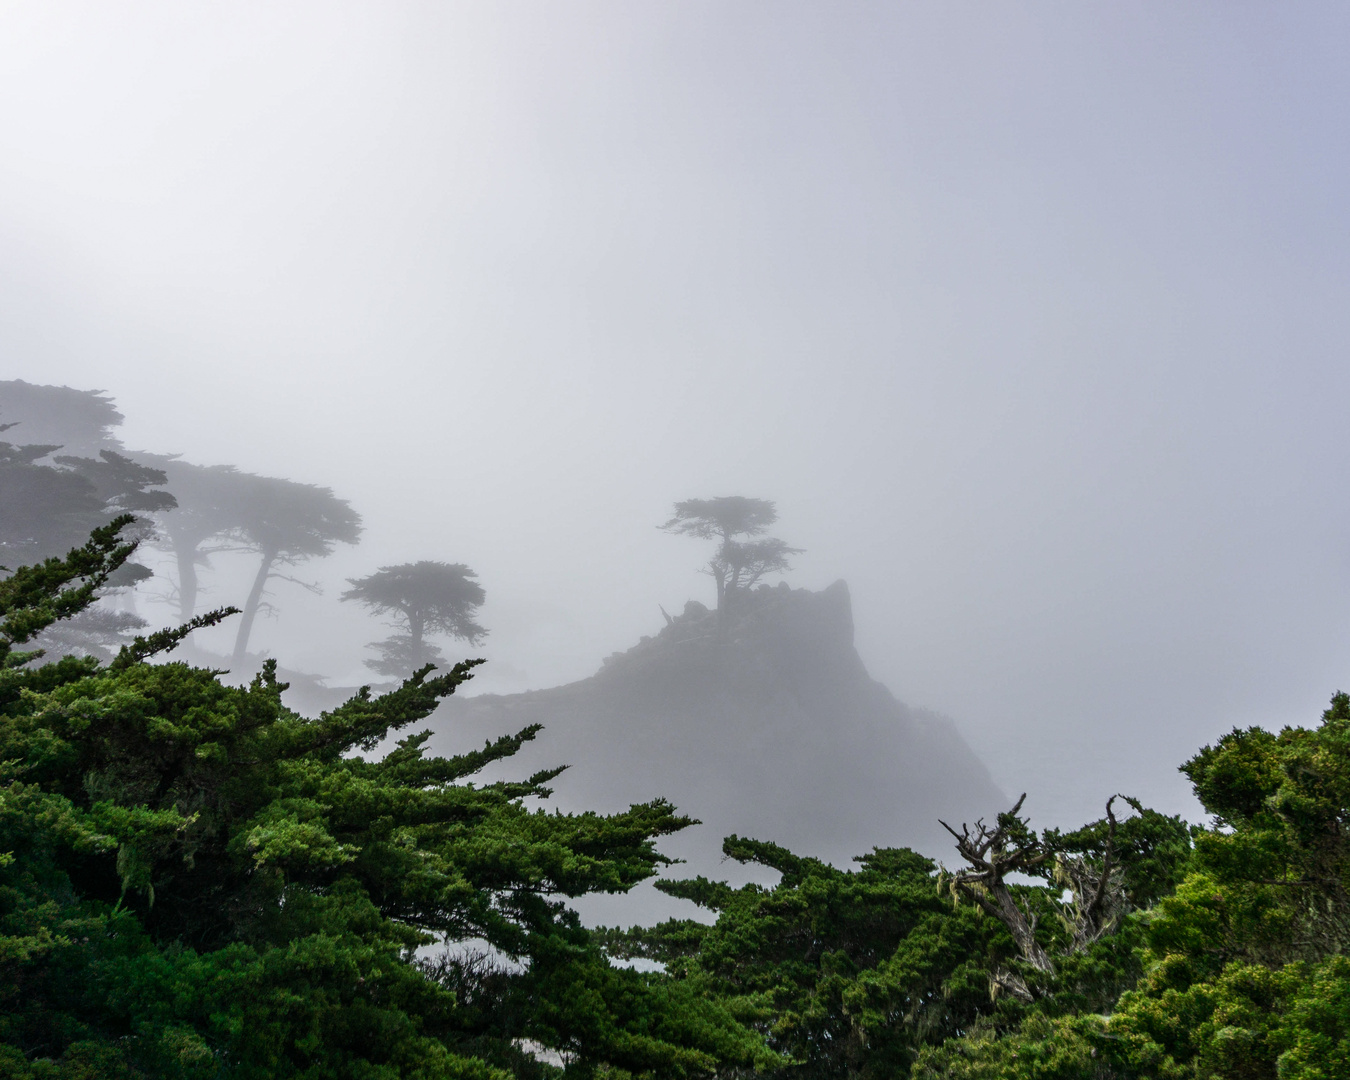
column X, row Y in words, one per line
column 1032, row 318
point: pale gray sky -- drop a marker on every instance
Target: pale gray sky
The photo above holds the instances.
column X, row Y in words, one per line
column 1032, row 318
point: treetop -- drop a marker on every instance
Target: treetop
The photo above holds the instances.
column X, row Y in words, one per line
column 725, row 516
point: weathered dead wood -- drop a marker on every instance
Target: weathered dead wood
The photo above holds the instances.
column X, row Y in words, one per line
column 992, row 859
column 1099, row 898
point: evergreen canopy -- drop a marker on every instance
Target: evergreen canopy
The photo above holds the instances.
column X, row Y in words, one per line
column 1134, row 948
column 197, row 882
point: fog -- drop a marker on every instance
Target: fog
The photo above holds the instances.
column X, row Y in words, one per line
column 1031, row 319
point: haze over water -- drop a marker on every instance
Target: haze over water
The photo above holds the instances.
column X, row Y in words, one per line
column 1032, row 321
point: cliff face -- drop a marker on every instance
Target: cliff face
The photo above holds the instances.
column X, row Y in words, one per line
column 767, row 725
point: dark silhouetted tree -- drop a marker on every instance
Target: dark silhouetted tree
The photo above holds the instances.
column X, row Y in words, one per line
column 81, row 422
column 50, row 502
column 211, row 508
column 121, row 485
column 738, row 563
column 284, row 523
column 45, row 507
column 221, row 509
column 420, row 598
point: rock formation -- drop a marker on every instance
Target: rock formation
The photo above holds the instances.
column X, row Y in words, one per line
column 763, row 723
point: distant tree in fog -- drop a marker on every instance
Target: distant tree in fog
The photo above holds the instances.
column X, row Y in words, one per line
column 50, row 501
column 206, row 521
column 45, row 508
column 748, row 561
column 420, row 598
column 284, row 523
column 737, row 564
column 71, row 476
column 221, row 509
column 78, row 421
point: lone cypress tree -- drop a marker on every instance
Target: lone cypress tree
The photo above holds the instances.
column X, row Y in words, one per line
column 420, row 598
column 737, row 564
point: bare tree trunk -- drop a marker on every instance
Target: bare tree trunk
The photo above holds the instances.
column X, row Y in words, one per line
column 1022, row 927
column 251, row 608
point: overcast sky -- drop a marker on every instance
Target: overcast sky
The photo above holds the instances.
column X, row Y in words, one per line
column 1032, row 317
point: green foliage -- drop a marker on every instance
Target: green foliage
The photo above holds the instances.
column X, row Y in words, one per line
column 1043, row 1048
column 845, row 973
column 34, row 597
column 1251, row 1021
column 1281, row 845
column 1245, row 973
column 1153, row 850
column 887, row 968
column 197, row 882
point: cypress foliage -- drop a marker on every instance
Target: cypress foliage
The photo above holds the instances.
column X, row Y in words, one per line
column 197, row 882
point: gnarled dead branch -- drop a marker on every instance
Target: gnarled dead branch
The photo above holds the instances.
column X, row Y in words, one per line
column 993, row 854
column 1099, row 898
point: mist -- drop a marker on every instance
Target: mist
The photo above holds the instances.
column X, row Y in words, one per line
column 1031, row 321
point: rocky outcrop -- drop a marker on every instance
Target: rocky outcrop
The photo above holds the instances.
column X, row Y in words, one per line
column 764, row 723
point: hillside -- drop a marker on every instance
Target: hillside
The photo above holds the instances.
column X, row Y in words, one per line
column 768, row 726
